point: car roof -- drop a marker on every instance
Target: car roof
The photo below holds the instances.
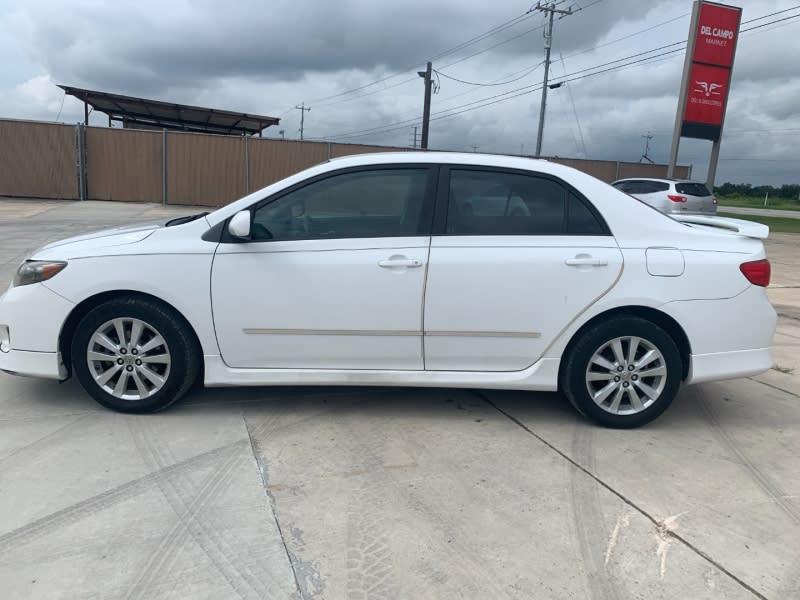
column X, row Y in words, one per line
column 660, row 180
column 433, row 156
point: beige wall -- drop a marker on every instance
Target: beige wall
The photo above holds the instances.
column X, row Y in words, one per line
column 272, row 160
column 206, row 170
column 123, row 164
column 40, row 160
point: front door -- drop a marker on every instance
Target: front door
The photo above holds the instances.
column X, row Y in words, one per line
column 519, row 256
column 333, row 276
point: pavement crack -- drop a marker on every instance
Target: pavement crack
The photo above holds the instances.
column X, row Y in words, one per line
column 659, row 524
column 774, row 387
column 263, row 476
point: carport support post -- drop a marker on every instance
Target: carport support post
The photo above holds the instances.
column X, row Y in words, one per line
column 246, row 166
column 164, row 167
column 80, row 137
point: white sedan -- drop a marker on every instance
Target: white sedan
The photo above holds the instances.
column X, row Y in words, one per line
column 367, row 270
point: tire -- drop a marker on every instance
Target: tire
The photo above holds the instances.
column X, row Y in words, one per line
column 595, row 385
column 142, row 377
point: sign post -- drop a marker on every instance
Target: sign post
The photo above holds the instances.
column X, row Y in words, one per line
column 710, row 51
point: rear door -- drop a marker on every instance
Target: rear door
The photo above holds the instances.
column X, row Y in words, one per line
column 503, row 284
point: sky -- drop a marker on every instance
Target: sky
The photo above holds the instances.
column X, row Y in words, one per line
column 355, row 63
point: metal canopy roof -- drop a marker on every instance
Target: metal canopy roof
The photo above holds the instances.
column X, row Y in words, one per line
column 155, row 114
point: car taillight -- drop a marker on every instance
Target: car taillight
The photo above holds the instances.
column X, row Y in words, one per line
column 757, row 272
column 714, row 199
column 676, row 198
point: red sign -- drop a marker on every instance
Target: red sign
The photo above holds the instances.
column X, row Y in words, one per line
column 706, row 94
column 707, row 74
column 717, row 30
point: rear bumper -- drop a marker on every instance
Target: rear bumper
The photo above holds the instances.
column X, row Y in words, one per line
column 729, row 365
column 728, row 338
column 33, row 364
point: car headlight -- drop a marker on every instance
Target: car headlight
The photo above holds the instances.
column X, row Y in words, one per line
column 36, row 271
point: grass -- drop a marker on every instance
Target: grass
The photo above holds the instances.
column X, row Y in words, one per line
column 776, row 224
column 749, row 202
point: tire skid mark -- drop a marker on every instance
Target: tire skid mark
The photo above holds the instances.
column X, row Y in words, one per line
column 90, row 506
column 165, row 555
column 187, row 502
column 631, row 503
column 439, row 512
column 369, row 556
column 766, row 483
column 790, row 584
column 256, row 581
column 40, row 443
column 590, row 524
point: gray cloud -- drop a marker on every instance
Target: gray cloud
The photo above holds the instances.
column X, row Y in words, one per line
column 266, row 57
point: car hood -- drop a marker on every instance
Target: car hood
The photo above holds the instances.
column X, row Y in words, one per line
column 90, row 243
column 131, row 233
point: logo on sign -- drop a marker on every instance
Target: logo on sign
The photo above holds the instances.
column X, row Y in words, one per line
column 709, row 89
column 716, row 32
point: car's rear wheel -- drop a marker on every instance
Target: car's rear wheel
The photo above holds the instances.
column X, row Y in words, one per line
column 624, row 372
column 134, row 356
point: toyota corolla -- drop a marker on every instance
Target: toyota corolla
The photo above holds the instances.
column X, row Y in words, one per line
column 370, row 270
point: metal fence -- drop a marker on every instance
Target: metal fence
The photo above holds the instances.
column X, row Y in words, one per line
column 50, row 160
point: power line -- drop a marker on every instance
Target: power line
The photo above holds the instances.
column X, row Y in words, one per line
column 772, row 14
column 581, row 74
column 515, row 93
column 527, row 72
column 473, row 40
column 625, row 37
column 770, row 23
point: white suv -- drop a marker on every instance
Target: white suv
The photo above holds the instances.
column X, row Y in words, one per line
column 671, row 196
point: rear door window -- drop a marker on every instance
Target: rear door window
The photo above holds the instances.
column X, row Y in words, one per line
column 692, row 189
column 646, row 186
column 483, row 202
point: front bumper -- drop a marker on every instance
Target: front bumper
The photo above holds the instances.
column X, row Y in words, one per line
column 33, row 364
column 34, row 316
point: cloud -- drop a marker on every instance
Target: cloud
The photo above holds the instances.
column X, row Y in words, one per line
column 266, row 57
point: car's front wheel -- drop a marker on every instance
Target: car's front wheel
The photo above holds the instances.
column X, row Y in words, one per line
column 134, row 356
column 624, row 372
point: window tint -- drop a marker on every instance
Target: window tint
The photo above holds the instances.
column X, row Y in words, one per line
column 486, row 203
column 581, row 220
column 692, row 189
column 381, row 203
column 642, row 186
column 622, row 186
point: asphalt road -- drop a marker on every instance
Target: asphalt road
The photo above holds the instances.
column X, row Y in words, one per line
column 761, row 212
column 395, row 493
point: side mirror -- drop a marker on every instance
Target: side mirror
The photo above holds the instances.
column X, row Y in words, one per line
column 239, row 225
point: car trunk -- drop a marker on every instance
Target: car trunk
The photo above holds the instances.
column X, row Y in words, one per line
column 698, row 198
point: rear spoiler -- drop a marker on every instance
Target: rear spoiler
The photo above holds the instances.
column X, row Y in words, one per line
column 740, row 226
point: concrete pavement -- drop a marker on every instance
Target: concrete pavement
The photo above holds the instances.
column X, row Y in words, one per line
column 395, row 493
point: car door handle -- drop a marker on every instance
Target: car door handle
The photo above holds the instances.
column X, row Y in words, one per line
column 399, row 262
column 586, row 261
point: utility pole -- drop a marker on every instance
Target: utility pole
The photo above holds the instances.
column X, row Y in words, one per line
column 415, row 136
column 426, row 109
column 474, row 147
column 549, row 9
column 646, row 155
column 303, row 110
